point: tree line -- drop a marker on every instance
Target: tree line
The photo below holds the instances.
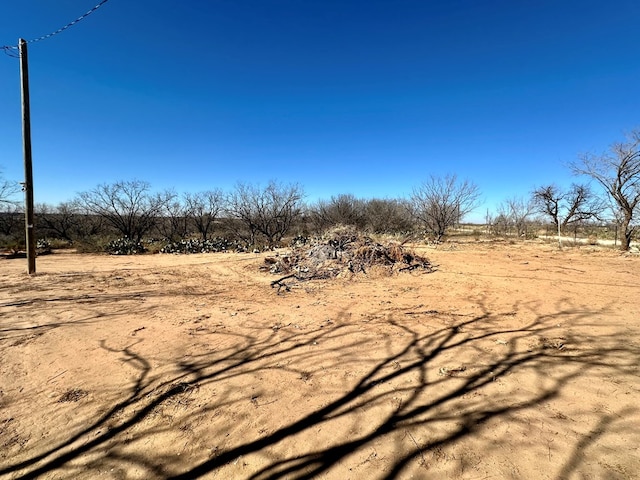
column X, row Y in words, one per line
column 252, row 214
column 264, row 215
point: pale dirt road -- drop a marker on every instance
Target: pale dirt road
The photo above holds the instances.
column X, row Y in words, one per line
column 509, row 362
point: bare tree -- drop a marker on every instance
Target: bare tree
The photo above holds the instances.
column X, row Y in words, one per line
column 516, row 212
column 61, row 221
column 618, row 173
column 204, row 208
column 440, row 203
column 387, row 216
column 11, row 215
column 343, row 209
column 89, row 224
column 8, row 190
column 572, row 206
column 268, row 211
column 128, row 206
column 174, row 222
column 12, row 221
column 501, row 224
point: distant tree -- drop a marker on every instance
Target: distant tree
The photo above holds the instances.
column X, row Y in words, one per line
column 11, row 215
column 500, row 224
column 342, row 209
column 618, row 173
column 12, row 221
column 204, row 208
column 61, row 221
column 387, row 216
column 440, row 203
column 173, row 223
column 268, row 211
column 128, row 206
column 565, row 207
column 516, row 212
column 89, row 224
column 8, row 191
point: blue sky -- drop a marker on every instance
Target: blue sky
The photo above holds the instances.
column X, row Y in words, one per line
column 363, row 97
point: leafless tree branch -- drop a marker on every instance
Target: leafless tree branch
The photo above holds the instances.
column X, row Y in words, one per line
column 440, row 203
column 618, row 173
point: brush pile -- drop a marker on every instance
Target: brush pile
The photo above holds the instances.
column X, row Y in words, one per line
column 343, row 252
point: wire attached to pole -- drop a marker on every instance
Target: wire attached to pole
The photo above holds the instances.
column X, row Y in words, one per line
column 12, row 50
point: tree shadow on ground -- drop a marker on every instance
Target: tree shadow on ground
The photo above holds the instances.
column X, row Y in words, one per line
column 100, row 308
column 400, row 388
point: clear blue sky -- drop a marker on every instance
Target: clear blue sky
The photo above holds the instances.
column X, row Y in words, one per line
column 363, row 97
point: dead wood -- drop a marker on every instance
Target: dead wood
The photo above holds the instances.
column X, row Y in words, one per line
column 343, row 253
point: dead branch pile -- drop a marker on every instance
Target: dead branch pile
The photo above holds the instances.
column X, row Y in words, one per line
column 343, row 252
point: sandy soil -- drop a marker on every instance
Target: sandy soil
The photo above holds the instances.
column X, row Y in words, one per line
column 511, row 361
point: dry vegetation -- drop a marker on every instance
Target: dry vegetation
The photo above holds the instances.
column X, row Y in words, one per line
column 342, row 251
column 508, row 361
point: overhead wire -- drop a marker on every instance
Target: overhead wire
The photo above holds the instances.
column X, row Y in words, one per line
column 12, row 50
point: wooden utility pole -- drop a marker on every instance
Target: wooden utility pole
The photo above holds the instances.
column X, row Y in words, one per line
column 28, row 169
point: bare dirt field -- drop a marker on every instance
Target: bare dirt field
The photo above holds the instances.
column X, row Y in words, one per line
column 509, row 362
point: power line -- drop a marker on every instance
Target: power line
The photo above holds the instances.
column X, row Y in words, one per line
column 12, row 50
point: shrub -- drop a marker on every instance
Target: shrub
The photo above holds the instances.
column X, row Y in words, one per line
column 13, row 243
column 217, row 244
column 124, row 246
column 92, row 244
column 43, row 246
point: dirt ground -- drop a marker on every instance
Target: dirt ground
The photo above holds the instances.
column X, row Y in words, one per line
column 509, row 362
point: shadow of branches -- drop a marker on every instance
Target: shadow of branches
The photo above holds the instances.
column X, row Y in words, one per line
column 429, row 394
